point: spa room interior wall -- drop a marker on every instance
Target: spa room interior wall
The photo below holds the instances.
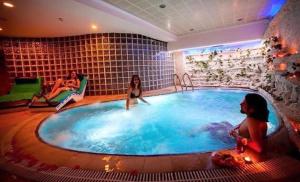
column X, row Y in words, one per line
column 108, row 59
column 283, row 39
column 229, row 68
column 4, row 76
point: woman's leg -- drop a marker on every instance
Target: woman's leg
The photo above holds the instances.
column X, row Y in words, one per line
column 58, row 83
column 56, row 92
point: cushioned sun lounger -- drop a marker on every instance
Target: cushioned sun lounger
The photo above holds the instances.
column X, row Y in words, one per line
column 63, row 98
column 21, row 92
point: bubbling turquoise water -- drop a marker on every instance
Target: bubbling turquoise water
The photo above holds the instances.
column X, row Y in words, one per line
column 176, row 123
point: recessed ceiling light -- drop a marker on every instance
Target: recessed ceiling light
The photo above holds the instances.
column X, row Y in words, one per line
column 162, row 6
column 8, row 4
column 168, row 24
column 94, row 27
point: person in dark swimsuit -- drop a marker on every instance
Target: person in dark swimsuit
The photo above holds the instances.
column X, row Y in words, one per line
column 252, row 131
column 134, row 91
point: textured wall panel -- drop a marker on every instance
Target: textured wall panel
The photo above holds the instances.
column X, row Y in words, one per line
column 109, row 60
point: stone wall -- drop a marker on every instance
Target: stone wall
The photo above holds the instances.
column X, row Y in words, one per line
column 283, row 43
column 235, row 68
column 287, row 85
column 286, row 26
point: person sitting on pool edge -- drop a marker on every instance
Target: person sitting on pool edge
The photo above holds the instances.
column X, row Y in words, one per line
column 252, row 131
column 72, row 83
column 134, row 91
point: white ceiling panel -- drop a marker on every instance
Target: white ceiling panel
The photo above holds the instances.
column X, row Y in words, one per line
column 188, row 16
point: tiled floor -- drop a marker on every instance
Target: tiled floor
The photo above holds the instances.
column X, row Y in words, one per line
column 17, row 131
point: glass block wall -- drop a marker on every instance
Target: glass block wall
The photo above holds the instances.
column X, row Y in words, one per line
column 108, row 59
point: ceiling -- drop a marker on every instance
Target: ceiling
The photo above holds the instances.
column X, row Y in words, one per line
column 56, row 18
column 181, row 17
column 52, row 18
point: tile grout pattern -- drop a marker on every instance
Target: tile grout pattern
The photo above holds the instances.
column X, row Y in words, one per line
column 108, row 59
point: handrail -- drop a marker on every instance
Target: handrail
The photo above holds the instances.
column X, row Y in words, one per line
column 176, row 76
column 188, row 76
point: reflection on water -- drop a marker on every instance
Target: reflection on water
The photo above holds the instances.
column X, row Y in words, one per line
column 217, row 130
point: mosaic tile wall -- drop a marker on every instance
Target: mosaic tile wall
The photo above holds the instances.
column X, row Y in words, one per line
column 4, row 77
column 109, row 60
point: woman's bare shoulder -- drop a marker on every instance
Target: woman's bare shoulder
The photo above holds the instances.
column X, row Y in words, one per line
column 252, row 122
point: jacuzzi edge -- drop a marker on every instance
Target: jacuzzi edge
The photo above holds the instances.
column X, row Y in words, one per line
column 260, row 91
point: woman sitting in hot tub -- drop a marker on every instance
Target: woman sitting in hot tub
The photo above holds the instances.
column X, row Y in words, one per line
column 134, row 91
column 252, row 131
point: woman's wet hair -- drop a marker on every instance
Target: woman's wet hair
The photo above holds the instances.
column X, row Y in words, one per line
column 132, row 82
column 259, row 106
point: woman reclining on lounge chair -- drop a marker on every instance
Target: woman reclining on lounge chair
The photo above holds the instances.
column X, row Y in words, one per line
column 72, row 83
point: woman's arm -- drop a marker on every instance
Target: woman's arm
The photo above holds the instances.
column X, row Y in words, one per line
column 142, row 99
column 234, row 131
column 128, row 97
column 77, row 86
column 71, row 84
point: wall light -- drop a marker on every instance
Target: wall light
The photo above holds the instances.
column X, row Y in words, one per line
column 8, row 4
column 94, row 27
column 282, row 66
column 1, row 29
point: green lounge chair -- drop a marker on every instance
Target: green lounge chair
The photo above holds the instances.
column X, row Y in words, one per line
column 63, row 98
column 21, row 92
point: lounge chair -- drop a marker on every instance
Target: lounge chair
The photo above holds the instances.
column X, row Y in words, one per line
column 21, row 92
column 63, row 98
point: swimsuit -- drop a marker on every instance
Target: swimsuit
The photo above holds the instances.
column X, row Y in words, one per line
column 133, row 96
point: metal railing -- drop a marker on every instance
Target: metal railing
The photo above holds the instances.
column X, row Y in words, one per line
column 189, row 78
